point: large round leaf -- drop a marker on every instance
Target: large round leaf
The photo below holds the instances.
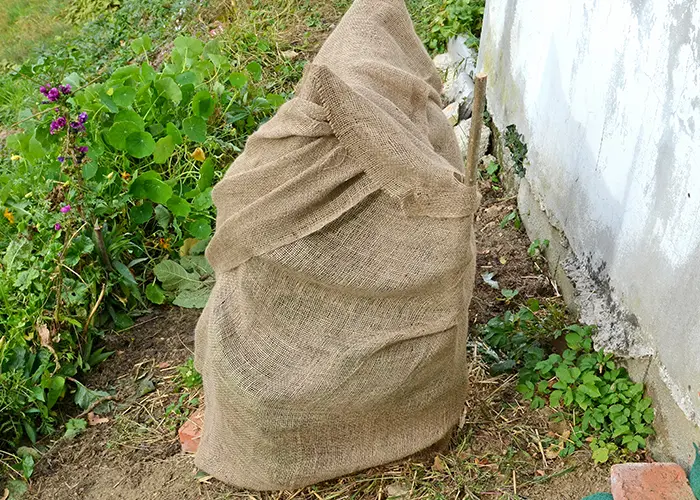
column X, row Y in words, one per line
column 178, row 206
column 140, row 214
column 117, row 134
column 203, row 104
column 140, row 144
column 195, row 128
column 174, row 133
column 166, row 86
column 238, row 80
column 199, row 228
column 124, row 96
column 151, row 189
column 164, row 149
column 128, row 115
column 189, row 46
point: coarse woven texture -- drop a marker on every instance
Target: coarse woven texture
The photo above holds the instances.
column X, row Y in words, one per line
column 334, row 339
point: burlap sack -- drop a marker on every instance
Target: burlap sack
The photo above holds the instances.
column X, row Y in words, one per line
column 334, row 339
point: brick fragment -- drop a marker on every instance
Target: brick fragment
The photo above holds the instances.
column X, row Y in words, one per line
column 655, row 481
column 190, row 433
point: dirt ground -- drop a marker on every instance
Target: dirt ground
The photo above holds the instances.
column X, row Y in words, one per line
column 135, row 453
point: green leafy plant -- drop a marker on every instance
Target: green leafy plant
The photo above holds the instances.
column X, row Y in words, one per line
column 513, row 217
column 188, row 376
column 605, row 409
column 492, row 170
column 537, row 248
column 106, row 201
column 455, row 17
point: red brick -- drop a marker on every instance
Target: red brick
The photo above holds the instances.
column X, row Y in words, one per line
column 655, row 481
column 191, row 432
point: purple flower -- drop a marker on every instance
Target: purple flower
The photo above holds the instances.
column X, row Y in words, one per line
column 61, row 159
column 57, row 124
column 77, row 126
column 53, row 94
column 57, row 226
column 44, row 90
column 65, row 209
column 83, row 149
column 65, row 89
column 82, row 117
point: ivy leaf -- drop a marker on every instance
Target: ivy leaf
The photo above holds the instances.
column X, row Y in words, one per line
column 195, row 128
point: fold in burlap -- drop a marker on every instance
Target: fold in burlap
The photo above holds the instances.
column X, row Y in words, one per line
column 334, row 339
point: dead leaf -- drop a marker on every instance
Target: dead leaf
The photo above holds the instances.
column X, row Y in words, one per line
column 552, row 452
column 5, row 494
column 438, row 465
column 44, row 335
column 95, row 420
column 163, row 365
column 397, row 490
column 540, row 473
column 187, row 246
column 205, row 479
column 290, row 54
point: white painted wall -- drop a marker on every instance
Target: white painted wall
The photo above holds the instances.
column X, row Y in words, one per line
column 607, row 94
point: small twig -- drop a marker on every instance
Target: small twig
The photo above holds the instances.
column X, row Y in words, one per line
column 539, row 443
column 515, row 485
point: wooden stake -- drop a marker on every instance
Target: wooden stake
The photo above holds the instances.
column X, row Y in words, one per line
column 477, row 122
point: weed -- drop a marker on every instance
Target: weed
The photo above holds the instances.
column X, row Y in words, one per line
column 513, row 217
column 188, row 376
column 537, row 248
column 585, row 388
